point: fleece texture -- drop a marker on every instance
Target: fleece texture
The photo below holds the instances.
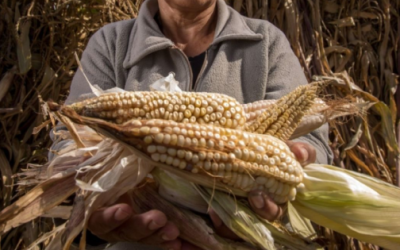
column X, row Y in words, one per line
column 249, row 59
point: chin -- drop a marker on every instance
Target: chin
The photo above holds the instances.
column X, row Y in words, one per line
column 190, row 4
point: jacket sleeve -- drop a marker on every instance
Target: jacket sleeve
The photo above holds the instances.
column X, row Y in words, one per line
column 284, row 75
column 97, row 65
column 97, row 68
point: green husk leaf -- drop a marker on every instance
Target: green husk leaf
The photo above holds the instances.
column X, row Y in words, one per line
column 179, row 191
column 300, row 224
column 350, row 203
column 246, row 224
column 239, row 218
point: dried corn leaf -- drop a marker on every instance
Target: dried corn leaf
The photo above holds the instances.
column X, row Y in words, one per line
column 387, row 126
column 7, row 180
column 5, row 82
column 40, row 199
column 23, row 47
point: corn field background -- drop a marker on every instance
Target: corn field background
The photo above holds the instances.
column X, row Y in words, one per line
column 355, row 40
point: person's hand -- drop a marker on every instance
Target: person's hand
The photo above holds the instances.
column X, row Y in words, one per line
column 259, row 200
column 304, row 152
column 120, row 223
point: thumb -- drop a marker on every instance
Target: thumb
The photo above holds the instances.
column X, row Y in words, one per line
column 264, row 206
column 107, row 219
column 304, row 152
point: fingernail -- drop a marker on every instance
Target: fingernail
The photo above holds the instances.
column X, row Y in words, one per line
column 258, row 201
column 121, row 215
column 153, row 225
column 165, row 237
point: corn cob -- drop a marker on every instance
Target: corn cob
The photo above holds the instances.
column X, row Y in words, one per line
column 121, row 107
column 279, row 120
column 282, row 118
column 256, row 109
column 238, row 159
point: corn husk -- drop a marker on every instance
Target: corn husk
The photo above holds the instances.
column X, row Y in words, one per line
column 179, row 191
column 239, row 219
column 103, row 128
column 351, row 203
column 299, row 224
column 93, row 170
column 114, row 168
column 236, row 214
column 193, row 228
column 117, row 167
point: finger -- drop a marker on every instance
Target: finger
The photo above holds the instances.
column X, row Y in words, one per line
column 140, row 226
column 220, row 228
column 172, row 245
column 167, row 233
column 264, row 206
column 304, row 152
column 107, row 219
column 188, row 246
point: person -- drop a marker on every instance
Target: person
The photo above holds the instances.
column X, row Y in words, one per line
column 210, row 48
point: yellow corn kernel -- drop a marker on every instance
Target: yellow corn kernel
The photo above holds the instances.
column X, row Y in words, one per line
column 180, row 107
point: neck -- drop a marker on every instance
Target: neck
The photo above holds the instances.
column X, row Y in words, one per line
column 190, row 26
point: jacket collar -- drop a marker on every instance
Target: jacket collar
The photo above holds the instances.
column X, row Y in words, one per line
column 146, row 37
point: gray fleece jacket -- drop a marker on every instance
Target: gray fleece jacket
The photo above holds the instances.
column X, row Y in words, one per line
column 249, row 59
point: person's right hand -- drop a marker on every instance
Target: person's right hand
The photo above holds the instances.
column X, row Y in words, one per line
column 259, row 200
column 120, row 223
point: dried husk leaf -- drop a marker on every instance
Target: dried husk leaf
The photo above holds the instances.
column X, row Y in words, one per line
column 7, row 180
column 5, row 82
column 23, row 47
column 40, row 199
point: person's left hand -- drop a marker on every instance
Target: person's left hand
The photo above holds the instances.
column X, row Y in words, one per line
column 259, row 200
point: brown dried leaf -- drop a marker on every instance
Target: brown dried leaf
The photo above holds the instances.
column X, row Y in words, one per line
column 6, row 81
column 75, row 222
column 249, row 8
column 7, row 180
column 387, row 126
column 23, row 47
column 36, row 202
column 62, row 212
column 354, row 140
column 344, row 22
column 48, row 76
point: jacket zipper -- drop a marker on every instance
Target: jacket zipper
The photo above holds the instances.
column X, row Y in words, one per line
column 188, row 67
column 201, row 71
